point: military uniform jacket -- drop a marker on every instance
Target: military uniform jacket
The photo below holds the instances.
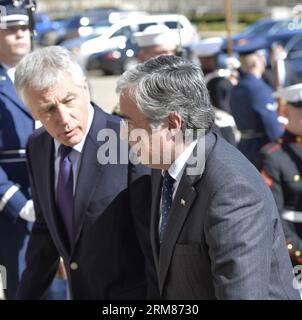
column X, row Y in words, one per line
column 254, row 108
column 281, row 167
column 16, row 124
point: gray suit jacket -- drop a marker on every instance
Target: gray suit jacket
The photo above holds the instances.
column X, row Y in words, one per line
column 224, row 239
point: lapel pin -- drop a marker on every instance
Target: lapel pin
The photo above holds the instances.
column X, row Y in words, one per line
column 183, row 202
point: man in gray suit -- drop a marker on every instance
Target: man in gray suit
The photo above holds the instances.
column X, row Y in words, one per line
column 215, row 229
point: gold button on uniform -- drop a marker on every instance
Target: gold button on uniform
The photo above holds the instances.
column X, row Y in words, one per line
column 298, row 253
column 296, row 178
column 74, row 266
column 289, row 246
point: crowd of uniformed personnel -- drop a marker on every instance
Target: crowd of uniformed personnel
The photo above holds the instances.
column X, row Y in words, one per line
column 247, row 115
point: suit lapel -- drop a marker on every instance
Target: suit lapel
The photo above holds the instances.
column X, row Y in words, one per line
column 156, row 193
column 86, row 182
column 89, row 173
column 7, row 88
column 180, row 209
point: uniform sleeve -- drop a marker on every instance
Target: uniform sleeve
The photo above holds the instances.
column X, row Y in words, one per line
column 12, row 197
column 266, row 107
column 271, row 174
column 42, row 257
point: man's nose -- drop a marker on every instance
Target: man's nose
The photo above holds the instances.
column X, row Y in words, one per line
column 20, row 32
column 63, row 114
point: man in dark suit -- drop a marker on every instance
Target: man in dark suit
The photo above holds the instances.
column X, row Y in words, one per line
column 215, row 229
column 87, row 210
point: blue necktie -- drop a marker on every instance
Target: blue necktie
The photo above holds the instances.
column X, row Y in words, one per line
column 65, row 190
column 166, row 196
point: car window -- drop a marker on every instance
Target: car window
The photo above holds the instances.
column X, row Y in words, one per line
column 143, row 26
column 125, row 31
column 173, row 24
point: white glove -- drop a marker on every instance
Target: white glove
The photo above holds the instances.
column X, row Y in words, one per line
column 28, row 212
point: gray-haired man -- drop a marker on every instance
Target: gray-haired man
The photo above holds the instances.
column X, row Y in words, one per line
column 87, row 213
column 215, row 229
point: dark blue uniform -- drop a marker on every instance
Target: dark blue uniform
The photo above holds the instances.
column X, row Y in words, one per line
column 16, row 125
column 281, row 167
column 255, row 114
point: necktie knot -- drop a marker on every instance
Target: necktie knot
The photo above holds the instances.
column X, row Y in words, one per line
column 168, row 181
column 64, row 151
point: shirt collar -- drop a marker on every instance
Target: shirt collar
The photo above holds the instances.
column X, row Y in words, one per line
column 10, row 71
column 79, row 147
column 177, row 167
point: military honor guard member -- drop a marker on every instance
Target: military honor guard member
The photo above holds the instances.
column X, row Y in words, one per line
column 156, row 40
column 281, row 167
column 252, row 105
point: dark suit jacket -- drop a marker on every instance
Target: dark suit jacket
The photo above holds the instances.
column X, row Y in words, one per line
column 224, row 239
column 111, row 251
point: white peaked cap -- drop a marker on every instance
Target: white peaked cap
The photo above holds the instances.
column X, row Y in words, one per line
column 208, row 47
column 291, row 94
column 156, row 35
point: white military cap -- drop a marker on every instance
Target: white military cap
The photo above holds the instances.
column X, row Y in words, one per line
column 156, row 35
column 12, row 16
column 291, row 95
column 208, row 47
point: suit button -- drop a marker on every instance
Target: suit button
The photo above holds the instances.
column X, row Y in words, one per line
column 74, row 266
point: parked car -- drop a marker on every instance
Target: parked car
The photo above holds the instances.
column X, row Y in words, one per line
column 118, row 60
column 82, row 24
column 96, row 30
column 263, row 27
column 116, row 36
column 115, row 61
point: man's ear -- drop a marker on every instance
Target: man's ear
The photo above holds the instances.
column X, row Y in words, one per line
column 174, row 121
column 86, row 88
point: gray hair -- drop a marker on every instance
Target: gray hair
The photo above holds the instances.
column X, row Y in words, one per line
column 169, row 84
column 43, row 68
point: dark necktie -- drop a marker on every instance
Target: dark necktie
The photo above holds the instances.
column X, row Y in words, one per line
column 166, row 196
column 65, row 189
